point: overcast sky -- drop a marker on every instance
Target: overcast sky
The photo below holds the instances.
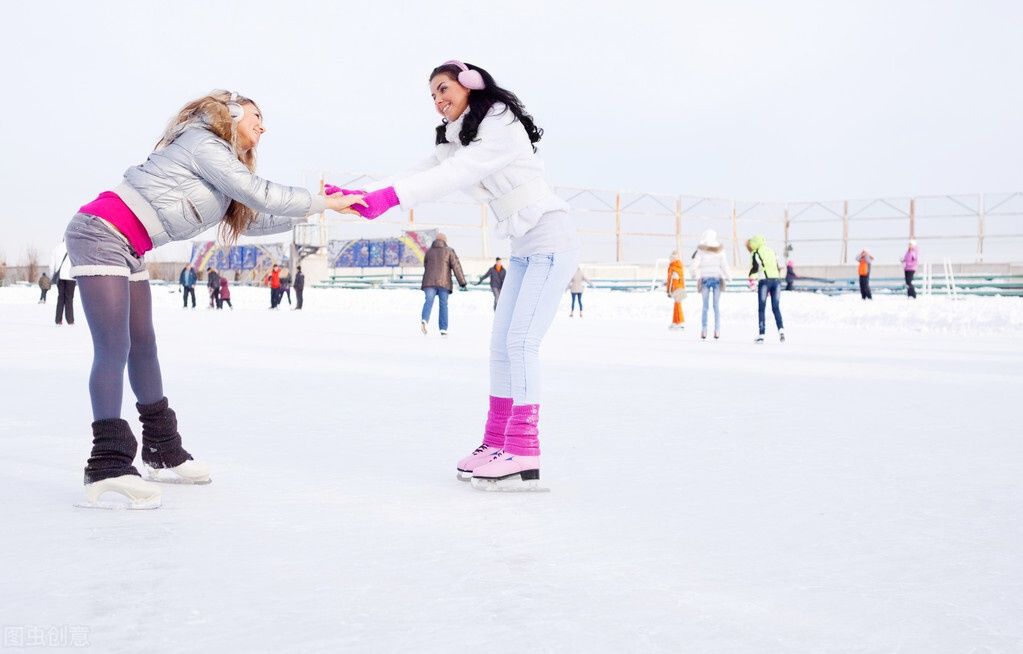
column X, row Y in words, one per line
column 751, row 100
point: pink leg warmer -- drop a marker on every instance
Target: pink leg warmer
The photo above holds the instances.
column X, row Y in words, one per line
column 497, row 421
column 522, row 438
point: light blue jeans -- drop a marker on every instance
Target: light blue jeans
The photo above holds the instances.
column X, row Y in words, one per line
column 710, row 285
column 530, row 298
column 442, row 294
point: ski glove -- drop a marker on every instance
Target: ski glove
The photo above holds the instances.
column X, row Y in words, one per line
column 377, row 202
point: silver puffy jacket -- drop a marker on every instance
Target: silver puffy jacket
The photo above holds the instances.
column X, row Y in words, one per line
column 186, row 187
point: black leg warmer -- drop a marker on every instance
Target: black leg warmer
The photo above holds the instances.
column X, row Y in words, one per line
column 113, row 450
column 161, row 442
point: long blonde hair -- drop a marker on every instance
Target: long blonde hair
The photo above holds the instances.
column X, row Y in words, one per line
column 211, row 112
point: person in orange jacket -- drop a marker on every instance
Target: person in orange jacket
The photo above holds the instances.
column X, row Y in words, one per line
column 275, row 286
column 676, row 288
column 865, row 259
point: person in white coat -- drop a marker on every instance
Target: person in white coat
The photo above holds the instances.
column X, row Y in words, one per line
column 710, row 267
column 65, row 283
column 576, row 286
column 485, row 145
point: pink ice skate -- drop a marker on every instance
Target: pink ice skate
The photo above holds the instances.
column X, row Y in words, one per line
column 508, row 472
column 517, row 467
column 493, row 437
column 479, row 456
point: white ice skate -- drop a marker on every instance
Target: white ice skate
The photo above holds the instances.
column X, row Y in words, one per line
column 189, row 472
column 130, row 492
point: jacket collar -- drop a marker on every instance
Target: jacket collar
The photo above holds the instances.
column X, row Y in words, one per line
column 454, row 127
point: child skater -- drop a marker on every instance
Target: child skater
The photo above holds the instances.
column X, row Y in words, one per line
column 225, row 294
column 485, row 144
column 199, row 175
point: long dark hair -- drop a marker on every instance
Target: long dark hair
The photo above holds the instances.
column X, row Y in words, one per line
column 480, row 102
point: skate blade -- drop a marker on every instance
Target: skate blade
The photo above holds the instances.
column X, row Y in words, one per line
column 175, row 479
column 461, row 475
column 113, row 505
column 170, row 477
column 512, row 484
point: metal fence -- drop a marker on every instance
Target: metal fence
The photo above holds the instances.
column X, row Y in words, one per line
column 631, row 227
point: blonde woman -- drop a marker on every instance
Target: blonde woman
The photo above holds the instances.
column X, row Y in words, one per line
column 200, row 175
column 710, row 267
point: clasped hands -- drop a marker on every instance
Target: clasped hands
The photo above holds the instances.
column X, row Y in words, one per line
column 368, row 205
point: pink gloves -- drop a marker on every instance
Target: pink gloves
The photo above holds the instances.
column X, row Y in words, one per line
column 377, row 202
column 330, row 189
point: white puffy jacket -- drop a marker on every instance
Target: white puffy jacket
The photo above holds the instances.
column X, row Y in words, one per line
column 498, row 161
column 710, row 262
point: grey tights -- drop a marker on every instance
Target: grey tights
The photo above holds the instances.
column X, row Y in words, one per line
column 120, row 315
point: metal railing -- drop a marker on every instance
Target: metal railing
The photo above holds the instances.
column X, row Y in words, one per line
column 626, row 226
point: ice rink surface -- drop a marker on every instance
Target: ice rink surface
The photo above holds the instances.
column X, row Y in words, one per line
column 856, row 489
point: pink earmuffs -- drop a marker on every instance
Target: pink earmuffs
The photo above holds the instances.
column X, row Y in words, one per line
column 470, row 79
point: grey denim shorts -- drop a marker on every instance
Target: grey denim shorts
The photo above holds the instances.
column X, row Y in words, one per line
column 95, row 247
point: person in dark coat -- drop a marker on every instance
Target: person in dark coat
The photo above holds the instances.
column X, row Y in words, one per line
column 790, row 276
column 285, row 286
column 187, row 279
column 44, row 287
column 439, row 263
column 496, row 275
column 213, row 283
column 299, row 286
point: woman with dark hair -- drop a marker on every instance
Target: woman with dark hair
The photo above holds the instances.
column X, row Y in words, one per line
column 200, row 175
column 485, row 145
